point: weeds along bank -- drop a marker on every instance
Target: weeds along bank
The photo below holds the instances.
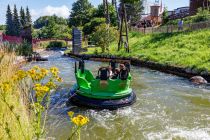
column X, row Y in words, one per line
column 25, row 100
column 14, row 113
column 184, row 49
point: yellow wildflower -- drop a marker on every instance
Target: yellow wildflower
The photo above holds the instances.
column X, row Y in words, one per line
column 70, row 114
column 21, row 74
column 59, row 79
column 80, row 120
column 32, row 73
column 5, row 87
column 51, row 85
column 41, row 90
column 44, row 71
column 54, row 71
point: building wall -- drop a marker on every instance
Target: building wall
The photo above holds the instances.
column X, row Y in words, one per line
column 195, row 4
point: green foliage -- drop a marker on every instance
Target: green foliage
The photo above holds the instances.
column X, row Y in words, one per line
column 185, row 49
column 99, row 12
column 52, row 27
column 16, row 22
column 43, row 21
column 104, row 35
column 28, row 17
column 81, row 13
column 2, row 27
column 202, row 15
column 165, row 15
column 22, row 17
column 24, row 49
column 9, row 22
column 90, row 27
column 56, row 44
column 134, row 10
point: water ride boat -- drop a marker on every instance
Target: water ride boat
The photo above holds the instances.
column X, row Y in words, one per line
column 104, row 91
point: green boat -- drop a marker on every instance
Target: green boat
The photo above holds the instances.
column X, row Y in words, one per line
column 102, row 92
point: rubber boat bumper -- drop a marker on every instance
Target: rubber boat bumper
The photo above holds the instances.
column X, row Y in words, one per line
column 111, row 104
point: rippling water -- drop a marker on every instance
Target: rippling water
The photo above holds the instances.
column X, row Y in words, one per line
column 167, row 107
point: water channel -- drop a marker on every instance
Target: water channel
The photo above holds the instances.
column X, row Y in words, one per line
column 167, row 107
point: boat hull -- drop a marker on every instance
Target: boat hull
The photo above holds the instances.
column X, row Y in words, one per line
column 111, row 104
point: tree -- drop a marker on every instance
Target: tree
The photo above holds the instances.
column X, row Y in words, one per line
column 28, row 16
column 51, row 29
column 43, row 21
column 112, row 13
column 22, row 17
column 9, row 22
column 165, row 16
column 90, row 27
column 16, row 22
column 81, row 13
column 134, row 11
column 104, row 36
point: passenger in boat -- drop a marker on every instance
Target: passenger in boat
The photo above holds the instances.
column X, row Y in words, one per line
column 123, row 72
column 103, row 73
column 116, row 73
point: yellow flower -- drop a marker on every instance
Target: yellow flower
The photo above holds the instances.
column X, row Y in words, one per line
column 44, row 71
column 71, row 114
column 54, row 71
column 5, row 87
column 80, row 120
column 51, row 85
column 32, row 72
column 59, row 79
column 41, row 90
column 21, row 74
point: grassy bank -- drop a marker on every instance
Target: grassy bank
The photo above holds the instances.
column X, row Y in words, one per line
column 185, row 49
column 14, row 117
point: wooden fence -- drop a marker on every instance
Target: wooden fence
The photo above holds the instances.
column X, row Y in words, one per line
column 173, row 28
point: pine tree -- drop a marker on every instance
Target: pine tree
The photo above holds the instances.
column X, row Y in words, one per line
column 22, row 17
column 16, row 22
column 9, row 22
column 28, row 17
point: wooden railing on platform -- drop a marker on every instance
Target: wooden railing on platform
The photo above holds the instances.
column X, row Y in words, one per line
column 172, row 28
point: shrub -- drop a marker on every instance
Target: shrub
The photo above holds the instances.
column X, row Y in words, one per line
column 105, row 35
column 24, row 49
column 202, row 15
column 56, row 44
column 90, row 27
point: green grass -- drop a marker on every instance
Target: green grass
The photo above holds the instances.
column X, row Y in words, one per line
column 184, row 49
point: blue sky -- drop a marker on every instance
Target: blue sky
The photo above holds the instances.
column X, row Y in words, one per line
column 62, row 7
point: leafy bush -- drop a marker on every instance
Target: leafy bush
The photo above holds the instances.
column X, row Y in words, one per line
column 202, row 15
column 24, row 49
column 105, row 35
column 56, row 44
column 2, row 27
column 90, row 27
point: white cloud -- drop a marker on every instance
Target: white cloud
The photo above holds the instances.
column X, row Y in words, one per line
column 62, row 11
